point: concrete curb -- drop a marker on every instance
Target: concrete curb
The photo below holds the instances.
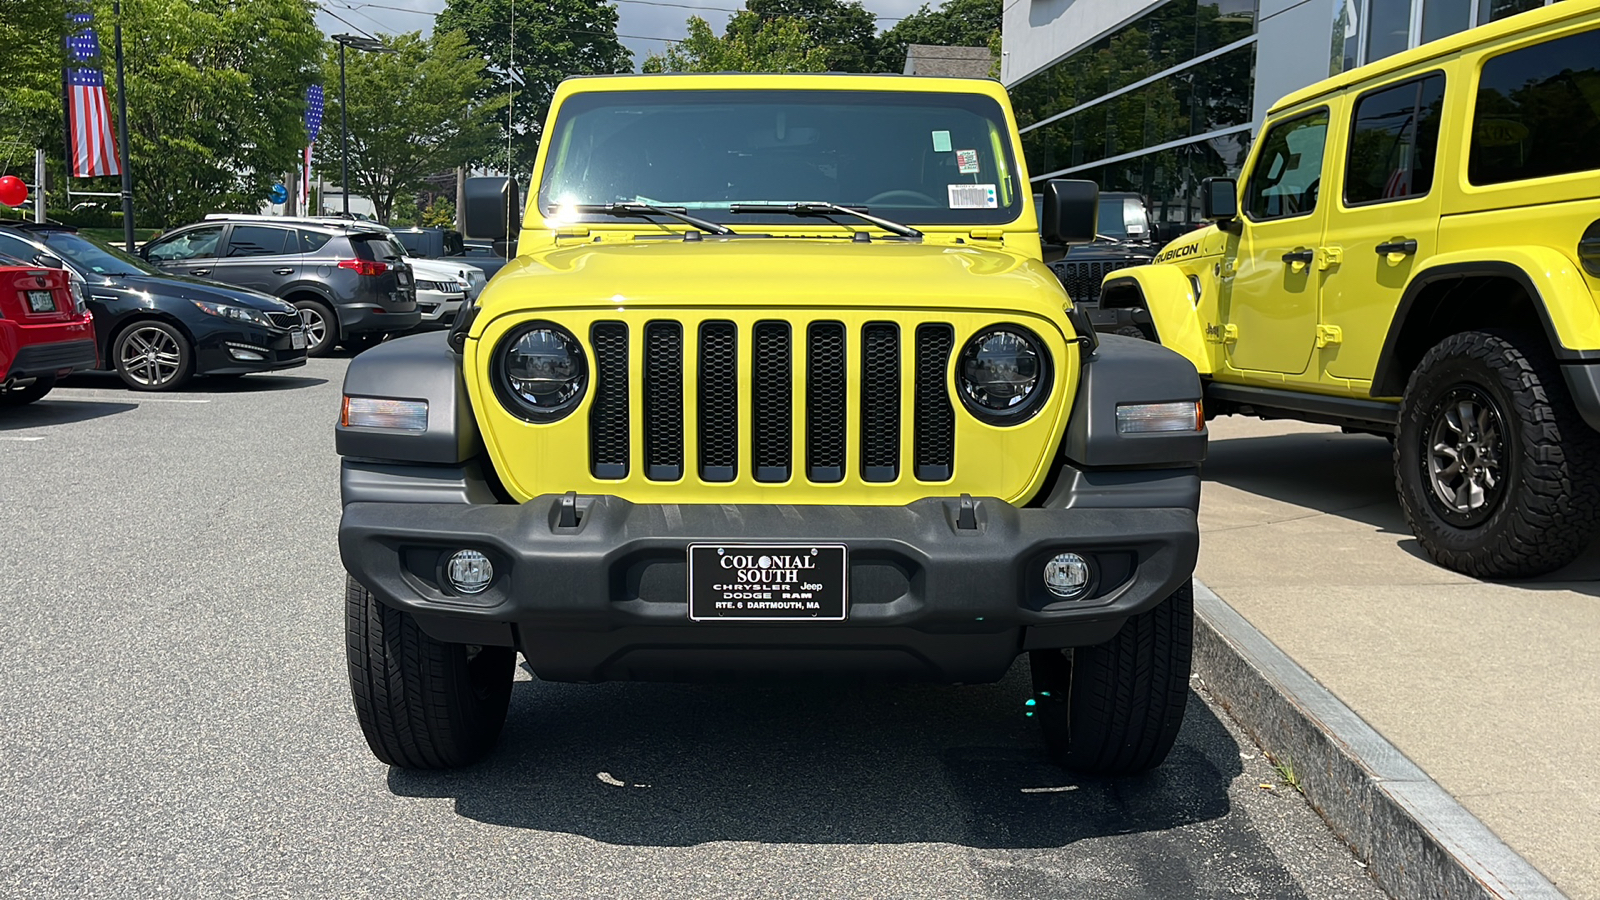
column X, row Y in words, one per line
column 1414, row 837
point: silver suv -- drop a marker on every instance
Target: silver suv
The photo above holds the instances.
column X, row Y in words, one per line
column 349, row 281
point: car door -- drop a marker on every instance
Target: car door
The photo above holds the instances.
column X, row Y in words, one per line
column 1386, row 219
column 262, row 258
column 1270, row 300
column 189, row 251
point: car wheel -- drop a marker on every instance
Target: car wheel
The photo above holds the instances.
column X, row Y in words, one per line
column 1496, row 471
column 322, row 328
column 153, row 356
column 22, row 396
column 422, row 703
column 1115, row 708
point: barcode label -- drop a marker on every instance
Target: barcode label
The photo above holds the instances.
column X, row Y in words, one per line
column 972, row 196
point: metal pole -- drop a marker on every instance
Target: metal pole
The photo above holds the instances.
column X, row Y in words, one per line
column 344, row 137
column 38, row 186
column 122, row 126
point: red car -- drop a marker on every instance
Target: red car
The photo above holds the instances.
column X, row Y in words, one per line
column 46, row 332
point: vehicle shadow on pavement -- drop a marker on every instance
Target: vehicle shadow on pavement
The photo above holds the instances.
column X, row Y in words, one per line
column 1348, row 475
column 51, row 411
column 678, row 765
column 243, row 384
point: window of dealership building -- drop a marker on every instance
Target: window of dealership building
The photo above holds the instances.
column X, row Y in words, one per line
column 1151, row 96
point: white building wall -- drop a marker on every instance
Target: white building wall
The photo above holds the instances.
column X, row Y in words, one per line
column 1036, row 33
column 1294, row 48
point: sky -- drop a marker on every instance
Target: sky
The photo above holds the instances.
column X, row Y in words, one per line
column 641, row 25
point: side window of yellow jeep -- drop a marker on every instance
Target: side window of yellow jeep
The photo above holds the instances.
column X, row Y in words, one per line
column 1538, row 112
column 1394, row 139
column 1288, row 172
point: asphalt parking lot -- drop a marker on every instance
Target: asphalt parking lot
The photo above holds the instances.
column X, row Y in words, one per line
column 177, row 722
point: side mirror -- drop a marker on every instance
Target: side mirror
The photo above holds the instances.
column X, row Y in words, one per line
column 490, row 208
column 1219, row 199
column 48, row 261
column 1071, row 212
column 452, row 243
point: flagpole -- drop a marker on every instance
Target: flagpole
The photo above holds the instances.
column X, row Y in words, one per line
column 122, row 135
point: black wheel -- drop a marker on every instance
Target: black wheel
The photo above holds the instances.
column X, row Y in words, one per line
column 1115, row 708
column 322, row 327
column 1496, row 471
column 1132, row 331
column 22, row 396
column 366, row 340
column 152, row 356
column 422, row 703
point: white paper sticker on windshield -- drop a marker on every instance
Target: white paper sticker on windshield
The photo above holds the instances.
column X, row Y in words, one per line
column 941, row 141
column 972, row 196
column 967, row 162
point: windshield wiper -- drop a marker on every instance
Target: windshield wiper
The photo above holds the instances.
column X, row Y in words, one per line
column 649, row 209
column 823, row 208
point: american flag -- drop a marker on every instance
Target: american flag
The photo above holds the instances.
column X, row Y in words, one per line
column 94, row 150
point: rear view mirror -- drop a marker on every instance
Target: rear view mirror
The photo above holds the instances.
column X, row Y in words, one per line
column 1219, row 199
column 1071, row 212
column 490, row 208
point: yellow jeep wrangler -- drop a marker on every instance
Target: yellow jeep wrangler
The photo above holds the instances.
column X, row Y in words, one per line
column 1416, row 253
column 776, row 385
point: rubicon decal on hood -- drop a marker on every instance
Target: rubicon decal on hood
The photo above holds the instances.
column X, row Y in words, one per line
column 1178, row 252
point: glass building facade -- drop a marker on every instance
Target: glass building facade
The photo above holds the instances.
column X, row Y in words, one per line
column 1169, row 96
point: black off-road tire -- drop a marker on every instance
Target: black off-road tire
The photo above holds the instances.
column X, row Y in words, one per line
column 1548, row 504
column 25, row 395
column 1116, row 708
column 422, row 703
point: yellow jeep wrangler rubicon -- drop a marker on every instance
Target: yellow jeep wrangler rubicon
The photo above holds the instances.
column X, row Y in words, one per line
column 1417, row 255
column 777, row 385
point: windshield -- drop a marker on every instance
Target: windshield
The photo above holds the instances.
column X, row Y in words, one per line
column 95, row 256
column 1124, row 219
column 909, row 156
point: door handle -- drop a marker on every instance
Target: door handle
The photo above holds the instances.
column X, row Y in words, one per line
column 283, row 271
column 1300, row 256
column 199, row 271
column 1404, row 245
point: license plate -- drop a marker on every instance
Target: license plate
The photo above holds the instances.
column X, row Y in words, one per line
column 297, row 340
column 768, row 582
column 402, row 277
column 41, row 301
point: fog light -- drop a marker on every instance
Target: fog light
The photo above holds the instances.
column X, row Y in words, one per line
column 1067, row 576
column 469, row 571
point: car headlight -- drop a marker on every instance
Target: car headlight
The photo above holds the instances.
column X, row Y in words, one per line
column 243, row 314
column 1003, row 374
column 540, row 372
column 424, row 285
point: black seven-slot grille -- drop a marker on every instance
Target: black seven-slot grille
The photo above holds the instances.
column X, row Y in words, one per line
column 844, row 372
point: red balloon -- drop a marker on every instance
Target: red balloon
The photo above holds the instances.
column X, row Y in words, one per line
column 12, row 191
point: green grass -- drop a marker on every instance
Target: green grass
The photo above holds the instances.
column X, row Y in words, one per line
column 1286, row 772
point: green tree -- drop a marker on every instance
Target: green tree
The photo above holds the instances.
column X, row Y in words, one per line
column 216, row 99
column 844, row 29
column 548, row 42
column 414, row 112
column 31, row 33
column 750, row 44
column 957, row 23
column 441, row 213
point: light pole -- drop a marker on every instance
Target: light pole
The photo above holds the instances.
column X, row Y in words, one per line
column 371, row 45
column 122, row 129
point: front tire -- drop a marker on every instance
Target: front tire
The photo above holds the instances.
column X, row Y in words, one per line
column 422, row 703
column 22, row 396
column 1495, row 469
column 322, row 326
column 153, row 356
column 1116, row 708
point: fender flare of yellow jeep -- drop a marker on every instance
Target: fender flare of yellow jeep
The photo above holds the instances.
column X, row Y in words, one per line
column 1554, row 288
column 1167, row 294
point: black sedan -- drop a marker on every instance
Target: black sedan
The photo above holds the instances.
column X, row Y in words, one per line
column 158, row 330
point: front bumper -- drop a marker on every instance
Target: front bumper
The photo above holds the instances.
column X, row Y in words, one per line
column 248, row 349
column 438, row 309
column 936, row 594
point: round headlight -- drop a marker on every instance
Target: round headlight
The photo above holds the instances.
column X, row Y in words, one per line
column 1003, row 374
column 541, row 373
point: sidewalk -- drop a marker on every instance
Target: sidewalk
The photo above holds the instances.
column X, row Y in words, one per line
column 1493, row 689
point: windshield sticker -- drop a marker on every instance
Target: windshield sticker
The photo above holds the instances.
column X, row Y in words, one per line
column 941, row 141
column 967, row 162
column 972, row 196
